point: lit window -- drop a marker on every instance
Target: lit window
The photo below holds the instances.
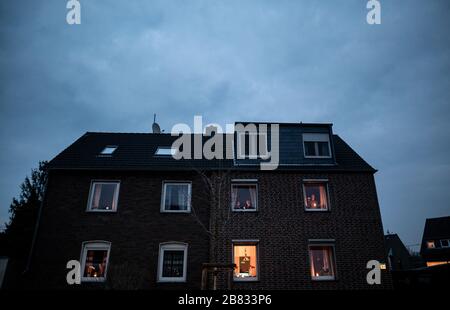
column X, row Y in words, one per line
column 321, row 258
column 94, row 259
column 246, row 260
column 103, row 196
column 445, row 243
column 430, row 245
column 176, row 197
column 109, row 150
column 172, row 262
column 316, row 145
column 244, row 196
column 315, row 196
column 165, row 151
column 431, row 264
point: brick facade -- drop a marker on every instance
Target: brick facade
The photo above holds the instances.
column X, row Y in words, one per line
column 281, row 225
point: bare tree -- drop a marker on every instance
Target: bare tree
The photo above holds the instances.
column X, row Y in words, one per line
column 216, row 184
column 216, row 196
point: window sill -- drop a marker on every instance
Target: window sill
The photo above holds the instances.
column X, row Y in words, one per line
column 175, row 211
column 317, row 210
column 324, row 279
column 239, row 280
column 244, row 210
column 318, row 157
column 93, row 280
column 171, row 281
column 101, row 211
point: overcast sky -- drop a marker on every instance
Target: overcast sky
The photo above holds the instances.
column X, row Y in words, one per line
column 386, row 88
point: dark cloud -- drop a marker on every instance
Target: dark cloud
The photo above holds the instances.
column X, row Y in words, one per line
column 384, row 87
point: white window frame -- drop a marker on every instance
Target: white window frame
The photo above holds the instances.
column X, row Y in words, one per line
column 316, row 181
column 250, row 242
column 172, row 246
column 241, row 137
column 327, row 243
column 448, row 243
column 248, row 182
column 106, row 154
column 99, row 245
column 316, row 137
column 173, row 151
column 163, row 196
column 91, row 195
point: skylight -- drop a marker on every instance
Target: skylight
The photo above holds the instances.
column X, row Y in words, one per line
column 165, row 151
column 109, row 150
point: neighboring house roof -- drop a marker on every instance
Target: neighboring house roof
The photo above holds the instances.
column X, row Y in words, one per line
column 136, row 151
column 399, row 256
column 435, row 230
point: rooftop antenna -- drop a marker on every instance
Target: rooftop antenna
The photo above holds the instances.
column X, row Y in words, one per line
column 155, row 126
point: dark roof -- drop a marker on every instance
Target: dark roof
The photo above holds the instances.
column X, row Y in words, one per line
column 437, row 228
column 136, row 152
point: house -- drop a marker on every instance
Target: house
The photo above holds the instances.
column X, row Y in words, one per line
column 435, row 247
column 399, row 257
column 135, row 217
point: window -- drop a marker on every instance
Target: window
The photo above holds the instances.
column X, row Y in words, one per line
column 176, row 197
column 172, row 262
column 165, row 151
column 316, row 195
column 445, row 243
column 430, row 245
column 244, row 196
column 94, row 258
column 103, row 196
column 245, row 257
column 316, row 145
column 321, row 258
column 108, row 150
column 252, row 145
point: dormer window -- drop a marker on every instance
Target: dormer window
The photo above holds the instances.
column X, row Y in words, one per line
column 165, row 151
column 252, row 145
column 109, row 150
column 316, row 145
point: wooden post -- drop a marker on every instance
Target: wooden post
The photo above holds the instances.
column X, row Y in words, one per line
column 204, row 277
column 215, row 278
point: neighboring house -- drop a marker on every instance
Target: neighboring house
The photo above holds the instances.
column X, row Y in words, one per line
column 435, row 247
column 399, row 257
column 137, row 218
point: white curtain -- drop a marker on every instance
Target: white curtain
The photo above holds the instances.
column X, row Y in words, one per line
column 252, row 191
column 182, row 197
column 234, row 196
column 168, row 197
column 97, row 193
column 326, row 262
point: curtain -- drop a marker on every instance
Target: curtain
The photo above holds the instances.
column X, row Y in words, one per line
column 182, row 197
column 323, row 197
column 234, row 196
column 168, row 202
column 97, row 193
column 326, row 262
column 113, row 203
column 252, row 191
column 311, row 260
